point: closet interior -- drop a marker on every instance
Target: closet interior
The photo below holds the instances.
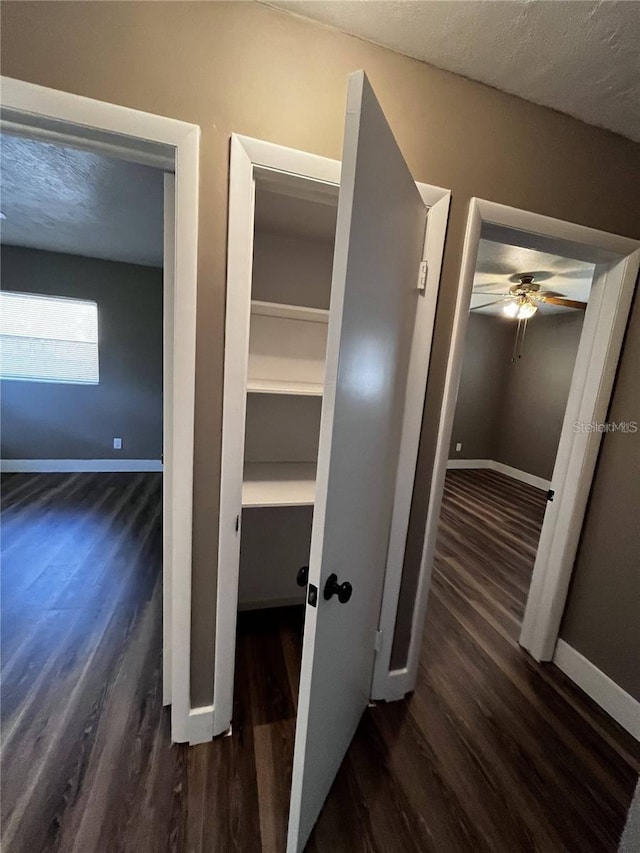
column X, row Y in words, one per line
column 295, row 221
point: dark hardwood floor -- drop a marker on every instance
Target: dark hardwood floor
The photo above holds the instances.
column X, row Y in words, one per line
column 491, row 753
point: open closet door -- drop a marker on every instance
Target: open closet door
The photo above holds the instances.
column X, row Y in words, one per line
column 378, row 249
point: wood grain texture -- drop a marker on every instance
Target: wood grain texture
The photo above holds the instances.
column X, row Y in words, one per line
column 492, row 753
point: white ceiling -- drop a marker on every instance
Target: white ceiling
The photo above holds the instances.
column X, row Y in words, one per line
column 79, row 202
column 499, row 266
column 580, row 58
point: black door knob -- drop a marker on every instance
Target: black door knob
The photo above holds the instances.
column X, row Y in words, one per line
column 302, row 578
column 342, row 590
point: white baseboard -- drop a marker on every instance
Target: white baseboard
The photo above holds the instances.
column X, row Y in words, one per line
column 610, row 696
column 524, row 476
column 200, row 724
column 469, row 463
column 515, row 473
column 44, row 466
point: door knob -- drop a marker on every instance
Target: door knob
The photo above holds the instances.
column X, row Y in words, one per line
column 302, row 577
column 342, row 590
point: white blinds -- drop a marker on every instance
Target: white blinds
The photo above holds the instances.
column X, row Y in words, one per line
column 48, row 338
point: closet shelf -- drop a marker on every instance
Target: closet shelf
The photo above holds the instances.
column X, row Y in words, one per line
column 289, row 312
column 279, row 484
column 283, row 386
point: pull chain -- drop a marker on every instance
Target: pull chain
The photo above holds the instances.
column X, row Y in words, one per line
column 518, row 344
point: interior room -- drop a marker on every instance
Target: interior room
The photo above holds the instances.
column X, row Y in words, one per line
column 283, row 458
column 82, row 441
column 524, row 327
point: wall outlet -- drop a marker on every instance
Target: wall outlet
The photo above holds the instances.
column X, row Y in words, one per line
column 458, row 447
column 117, row 444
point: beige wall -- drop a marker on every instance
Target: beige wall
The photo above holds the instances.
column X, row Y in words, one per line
column 246, row 68
column 536, row 393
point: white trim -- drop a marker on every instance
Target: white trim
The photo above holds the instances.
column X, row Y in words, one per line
column 383, row 685
column 603, row 690
column 200, row 724
column 515, row 473
column 168, row 298
column 33, row 106
column 43, row 466
column 463, row 464
column 291, row 161
column 617, row 260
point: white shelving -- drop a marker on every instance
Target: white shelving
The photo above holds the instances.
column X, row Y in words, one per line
column 278, row 484
column 287, row 346
column 274, row 386
column 289, row 312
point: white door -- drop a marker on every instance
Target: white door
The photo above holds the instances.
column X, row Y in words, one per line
column 379, row 241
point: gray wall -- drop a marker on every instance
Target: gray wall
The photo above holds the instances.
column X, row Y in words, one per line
column 536, row 393
column 485, row 369
column 512, row 412
column 43, row 420
column 602, row 616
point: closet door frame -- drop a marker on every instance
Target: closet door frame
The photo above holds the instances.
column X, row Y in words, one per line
column 248, row 156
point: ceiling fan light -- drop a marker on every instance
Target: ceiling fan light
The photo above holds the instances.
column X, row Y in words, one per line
column 526, row 310
column 511, row 309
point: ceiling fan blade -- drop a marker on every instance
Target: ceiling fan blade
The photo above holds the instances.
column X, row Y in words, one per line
column 489, row 293
column 491, row 266
column 540, row 294
column 486, row 305
column 565, row 303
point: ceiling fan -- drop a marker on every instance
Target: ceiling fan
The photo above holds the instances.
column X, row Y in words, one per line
column 522, row 298
column 521, row 303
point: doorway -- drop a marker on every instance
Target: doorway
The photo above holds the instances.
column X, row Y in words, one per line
column 615, row 262
column 293, row 240
column 158, row 142
column 376, row 359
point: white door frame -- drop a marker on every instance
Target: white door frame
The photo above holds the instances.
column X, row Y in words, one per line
column 118, row 131
column 617, row 260
column 247, row 156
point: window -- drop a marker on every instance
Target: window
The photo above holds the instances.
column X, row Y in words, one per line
column 48, row 338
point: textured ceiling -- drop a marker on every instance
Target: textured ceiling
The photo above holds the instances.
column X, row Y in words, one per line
column 579, row 57
column 67, row 200
column 499, row 265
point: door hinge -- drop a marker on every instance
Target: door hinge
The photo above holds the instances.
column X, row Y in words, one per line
column 237, row 523
column 422, row 276
column 378, row 642
column 551, row 494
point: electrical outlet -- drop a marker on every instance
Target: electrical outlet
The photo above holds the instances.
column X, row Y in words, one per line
column 458, row 447
column 117, row 444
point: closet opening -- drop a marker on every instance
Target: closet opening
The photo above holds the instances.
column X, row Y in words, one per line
column 294, row 232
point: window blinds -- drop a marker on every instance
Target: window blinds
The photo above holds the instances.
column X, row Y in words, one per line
column 48, row 338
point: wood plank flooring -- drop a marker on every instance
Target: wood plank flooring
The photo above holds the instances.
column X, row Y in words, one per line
column 491, row 753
